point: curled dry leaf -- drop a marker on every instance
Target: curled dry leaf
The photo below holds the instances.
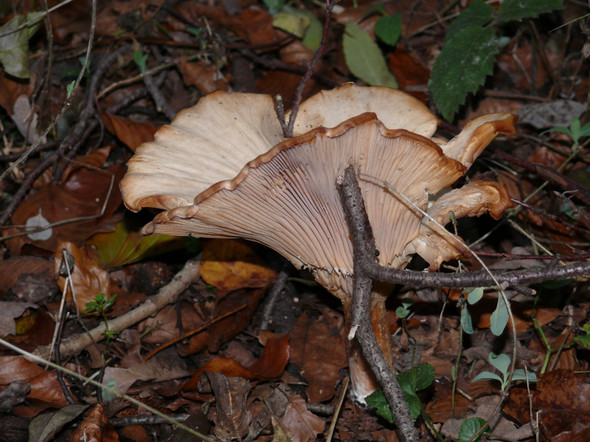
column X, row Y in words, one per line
column 129, row 132
column 88, row 278
column 231, row 265
column 92, row 427
column 270, row 365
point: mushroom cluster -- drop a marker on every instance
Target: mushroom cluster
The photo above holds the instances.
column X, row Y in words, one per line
column 223, row 169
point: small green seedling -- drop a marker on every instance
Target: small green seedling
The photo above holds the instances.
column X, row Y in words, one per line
column 100, row 305
column 575, row 132
column 501, row 363
column 403, row 311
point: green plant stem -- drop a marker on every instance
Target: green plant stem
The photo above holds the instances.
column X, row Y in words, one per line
column 456, row 366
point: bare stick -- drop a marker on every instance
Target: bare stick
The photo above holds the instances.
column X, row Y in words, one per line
column 167, row 295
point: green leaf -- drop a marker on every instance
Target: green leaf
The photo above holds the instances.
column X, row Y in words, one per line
column 124, row 246
column 389, row 28
column 520, row 375
column 414, row 404
column 291, row 22
column 499, row 318
column 470, row 427
column 519, row 9
column 378, row 401
column 404, row 310
column 500, row 362
column 314, row 32
column 364, row 59
column 462, row 67
column 416, row 378
column 584, row 340
column 425, row 375
column 466, row 322
column 14, row 47
column 487, row 375
column 478, row 13
column 140, row 60
column 475, row 295
column 274, row 6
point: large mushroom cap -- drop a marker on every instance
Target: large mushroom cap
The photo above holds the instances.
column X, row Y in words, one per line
column 216, row 172
column 287, row 199
column 213, row 140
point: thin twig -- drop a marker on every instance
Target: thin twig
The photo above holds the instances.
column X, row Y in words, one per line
column 67, row 104
column 153, row 304
column 316, row 56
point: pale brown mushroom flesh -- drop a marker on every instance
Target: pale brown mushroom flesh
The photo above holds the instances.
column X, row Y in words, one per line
column 284, row 195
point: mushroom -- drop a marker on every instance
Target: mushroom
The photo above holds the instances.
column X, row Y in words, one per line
column 222, row 169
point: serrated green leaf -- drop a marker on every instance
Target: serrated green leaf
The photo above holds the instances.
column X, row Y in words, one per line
column 475, row 295
column 291, row 22
column 478, row 13
column 499, row 318
column 378, row 401
column 364, row 59
column 14, row 47
column 519, row 9
column 466, row 322
column 389, row 28
column 469, row 428
column 414, row 405
column 425, row 375
column 462, row 67
column 484, row 375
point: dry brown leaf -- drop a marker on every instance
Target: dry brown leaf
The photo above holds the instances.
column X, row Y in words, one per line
column 82, row 195
column 231, row 265
column 319, row 353
column 202, row 75
column 92, row 427
column 129, row 132
column 270, row 365
column 561, row 396
column 300, row 423
column 88, row 278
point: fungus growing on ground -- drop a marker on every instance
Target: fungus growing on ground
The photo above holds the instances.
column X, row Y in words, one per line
column 223, row 169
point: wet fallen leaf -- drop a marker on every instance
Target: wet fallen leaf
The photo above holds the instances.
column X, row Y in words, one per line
column 205, row 76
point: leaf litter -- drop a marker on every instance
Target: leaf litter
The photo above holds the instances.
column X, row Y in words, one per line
column 208, row 351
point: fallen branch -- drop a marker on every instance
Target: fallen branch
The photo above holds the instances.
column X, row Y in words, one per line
column 167, row 295
column 364, row 250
